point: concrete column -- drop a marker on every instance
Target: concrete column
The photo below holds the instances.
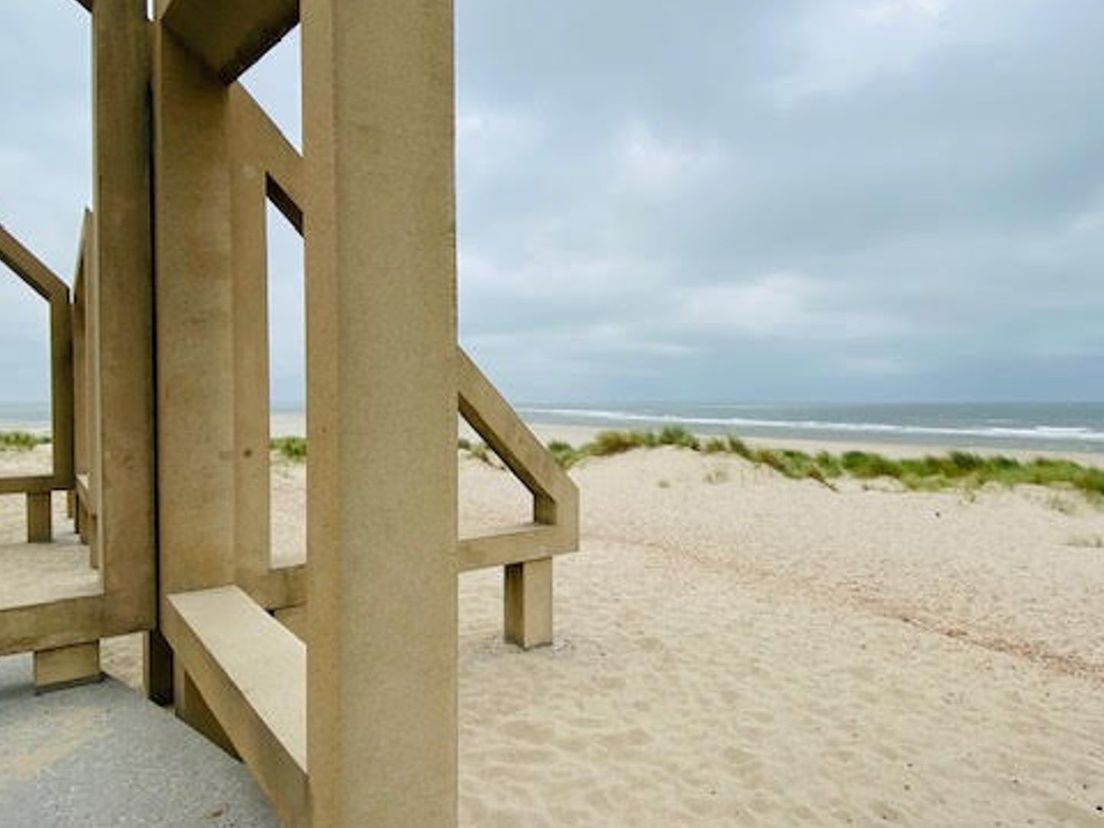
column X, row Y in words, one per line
column 40, row 518
column 194, row 294
column 118, row 408
column 251, row 355
column 80, row 333
column 67, row 666
column 95, row 559
column 158, row 664
column 528, row 603
column 61, row 391
column 381, row 334
column 194, row 302
column 83, row 522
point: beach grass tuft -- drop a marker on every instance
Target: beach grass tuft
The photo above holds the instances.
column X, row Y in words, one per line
column 715, row 476
column 1062, row 505
column 290, row 448
column 21, row 440
column 1087, row 542
column 481, row 452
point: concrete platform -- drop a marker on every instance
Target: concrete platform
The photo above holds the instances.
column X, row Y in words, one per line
column 39, row 573
column 101, row 755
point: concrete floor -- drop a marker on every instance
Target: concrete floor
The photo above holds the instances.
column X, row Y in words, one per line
column 101, row 755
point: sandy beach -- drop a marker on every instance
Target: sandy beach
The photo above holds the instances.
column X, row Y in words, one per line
column 736, row 648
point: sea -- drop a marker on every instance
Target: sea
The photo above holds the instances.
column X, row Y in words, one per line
column 1062, row 427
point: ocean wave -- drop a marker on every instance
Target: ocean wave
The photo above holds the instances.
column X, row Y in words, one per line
column 1037, row 432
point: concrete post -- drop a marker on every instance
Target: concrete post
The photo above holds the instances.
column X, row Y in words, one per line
column 195, row 382
column 528, row 603
column 380, row 260
column 67, row 666
column 39, row 517
column 123, row 263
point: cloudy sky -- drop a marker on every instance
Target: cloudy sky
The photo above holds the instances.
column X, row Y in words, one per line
column 709, row 200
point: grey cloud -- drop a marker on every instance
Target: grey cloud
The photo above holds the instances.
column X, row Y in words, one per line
column 810, row 199
column 930, row 197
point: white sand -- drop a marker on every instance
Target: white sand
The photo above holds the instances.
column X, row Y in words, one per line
column 734, row 648
column 759, row 651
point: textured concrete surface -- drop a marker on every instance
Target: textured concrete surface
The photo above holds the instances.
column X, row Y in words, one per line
column 102, row 755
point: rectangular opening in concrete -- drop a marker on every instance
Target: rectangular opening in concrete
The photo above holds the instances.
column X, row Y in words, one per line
column 25, row 447
column 286, row 309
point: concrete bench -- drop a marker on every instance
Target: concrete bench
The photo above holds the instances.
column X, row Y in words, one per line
column 251, row 676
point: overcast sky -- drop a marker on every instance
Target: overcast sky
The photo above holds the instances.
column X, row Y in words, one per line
column 715, row 200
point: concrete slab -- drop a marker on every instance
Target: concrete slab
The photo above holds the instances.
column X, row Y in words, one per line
column 40, row 573
column 103, row 755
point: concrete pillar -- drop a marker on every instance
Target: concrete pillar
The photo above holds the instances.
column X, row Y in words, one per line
column 67, row 666
column 80, row 334
column 381, row 335
column 528, row 603
column 194, row 305
column 83, row 520
column 158, row 666
column 118, row 408
column 90, row 536
column 251, row 357
column 123, row 263
column 40, row 518
column 195, row 378
column 61, row 391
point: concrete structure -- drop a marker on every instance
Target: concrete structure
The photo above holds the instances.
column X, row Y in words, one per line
column 351, row 719
column 114, row 321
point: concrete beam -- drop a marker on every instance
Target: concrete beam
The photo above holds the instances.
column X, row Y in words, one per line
column 192, row 709
column 555, row 495
column 514, row 544
column 61, row 622
column 30, row 269
column 28, row 484
column 229, row 36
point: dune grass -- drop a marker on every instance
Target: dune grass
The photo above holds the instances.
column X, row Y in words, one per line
column 294, row 449
column 290, row 448
column 21, row 440
column 1087, row 542
column 957, row 469
column 481, row 452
